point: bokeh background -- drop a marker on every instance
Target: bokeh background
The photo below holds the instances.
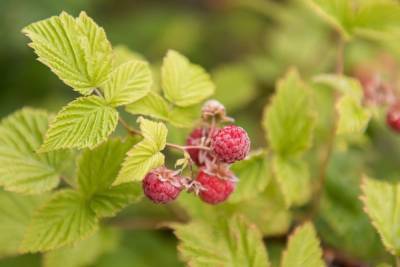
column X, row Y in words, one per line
column 245, row 44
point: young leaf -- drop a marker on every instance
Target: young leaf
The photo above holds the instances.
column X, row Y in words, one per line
column 76, row 50
column 16, row 213
column 254, row 176
column 184, row 117
column 65, row 219
column 21, row 168
column 382, row 203
column 353, row 117
column 303, row 249
column 288, row 120
column 145, row 155
column 123, row 54
column 184, row 84
column 85, row 122
column 128, row 83
column 294, row 180
column 230, row 242
column 97, row 170
column 152, row 105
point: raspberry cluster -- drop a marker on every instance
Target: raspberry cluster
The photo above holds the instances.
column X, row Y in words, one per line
column 212, row 148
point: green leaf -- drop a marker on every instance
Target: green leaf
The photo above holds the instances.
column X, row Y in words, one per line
column 63, row 220
column 253, row 177
column 128, row 83
column 84, row 253
column 16, row 211
column 303, row 249
column 123, row 54
column 288, row 120
column 293, row 177
column 382, row 204
column 145, row 155
column 157, row 107
column 230, row 242
column 97, row 170
column 76, row 50
column 85, row 122
column 184, row 84
column 152, row 105
column 21, row 168
column 353, row 117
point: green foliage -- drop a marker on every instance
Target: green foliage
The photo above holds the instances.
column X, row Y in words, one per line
column 145, row 155
column 97, row 170
column 65, row 219
column 288, row 120
column 21, row 168
column 85, row 122
column 303, row 249
column 231, row 242
column 183, row 83
column 75, row 49
column 382, row 202
column 128, row 83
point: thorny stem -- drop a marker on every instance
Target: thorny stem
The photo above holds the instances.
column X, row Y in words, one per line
column 332, row 136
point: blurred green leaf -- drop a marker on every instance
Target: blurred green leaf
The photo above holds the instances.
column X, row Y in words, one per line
column 230, row 242
column 21, row 168
column 123, row 54
column 76, row 50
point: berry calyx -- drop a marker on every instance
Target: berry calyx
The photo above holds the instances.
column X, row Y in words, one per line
column 162, row 185
column 393, row 117
column 198, row 137
column 230, row 144
column 214, row 189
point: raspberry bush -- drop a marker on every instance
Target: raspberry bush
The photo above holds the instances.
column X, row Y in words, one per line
column 146, row 145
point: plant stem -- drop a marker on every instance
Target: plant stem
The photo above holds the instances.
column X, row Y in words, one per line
column 130, row 130
column 397, row 261
column 332, row 135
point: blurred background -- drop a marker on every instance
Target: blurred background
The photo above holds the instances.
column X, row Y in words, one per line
column 246, row 45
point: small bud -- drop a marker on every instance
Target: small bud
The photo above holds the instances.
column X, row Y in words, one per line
column 213, row 109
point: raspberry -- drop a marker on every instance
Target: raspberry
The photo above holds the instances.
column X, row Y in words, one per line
column 393, row 117
column 214, row 189
column 161, row 185
column 230, row 144
column 198, row 138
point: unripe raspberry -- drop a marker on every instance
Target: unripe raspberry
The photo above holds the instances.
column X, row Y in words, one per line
column 214, row 189
column 162, row 185
column 198, row 137
column 393, row 117
column 230, row 144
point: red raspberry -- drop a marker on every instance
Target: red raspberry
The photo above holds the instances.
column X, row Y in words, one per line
column 161, row 185
column 197, row 138
column 214, row 189
column 393, row 117
column 230, row 144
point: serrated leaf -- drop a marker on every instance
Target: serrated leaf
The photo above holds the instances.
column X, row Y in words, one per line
column 152, row 105
column 76, row 50
column 16, row 212
column 97, row 170
column 85, row 122
column 288, row 120
column 253, row 177
column 21, row 168
column 230, row 242
column 293, row 178
column 353, row 117
column 184, row 84
column 128, row 83
column 84, row 253
column 65, row 219
column 145, row 155
column 303, row 249
column 382, row 204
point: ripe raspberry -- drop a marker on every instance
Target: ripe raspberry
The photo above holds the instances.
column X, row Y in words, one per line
column 197, row 138
column 161, row 185
column 230, row 144
column 214, row 189
column 393, row 117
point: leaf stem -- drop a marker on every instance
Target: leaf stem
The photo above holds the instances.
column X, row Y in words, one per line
column 130, row 130
column 184, row 148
